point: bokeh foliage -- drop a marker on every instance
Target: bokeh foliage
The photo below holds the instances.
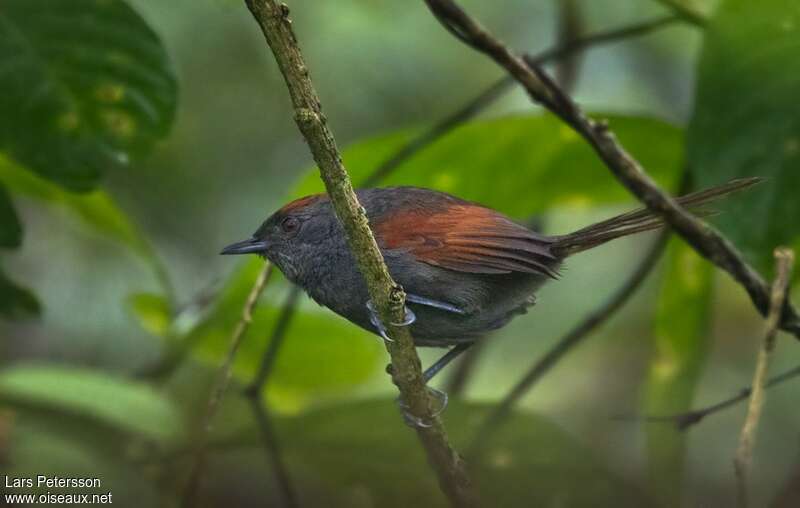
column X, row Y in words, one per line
column 747, row 119
column 86, row 87
column 87, row 91
column 543, row 162
column 682, row 336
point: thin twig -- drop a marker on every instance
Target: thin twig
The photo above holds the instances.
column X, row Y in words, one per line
column 572, row 338
column 260, row 409
column 570, row 27
column 503, row 85
column 385, row 294
column 784, row 259
column 275, row 342
column 223, row 380
column 226, row 371
column 683, row 421
column 702, row 237
column 457, row 382
column 274, row 453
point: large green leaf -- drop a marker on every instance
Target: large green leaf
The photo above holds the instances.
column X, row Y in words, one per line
column 321, row 354
column 747, row 119
column 519, row 165
column 361, row 454
column 682, row 340
column 86, row 86
column 120, row 403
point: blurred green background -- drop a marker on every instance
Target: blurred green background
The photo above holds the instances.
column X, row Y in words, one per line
column 137, row 138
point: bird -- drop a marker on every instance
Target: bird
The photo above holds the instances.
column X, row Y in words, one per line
column 466, row 269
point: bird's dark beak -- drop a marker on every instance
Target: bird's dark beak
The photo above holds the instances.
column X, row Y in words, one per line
column 249, row 246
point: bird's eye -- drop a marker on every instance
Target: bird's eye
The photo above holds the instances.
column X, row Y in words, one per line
column 290, row 224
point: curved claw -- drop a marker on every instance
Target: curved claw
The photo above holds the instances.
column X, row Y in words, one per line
column 408, row 319
column 441, row 397
column 376, row 322
column 413, row 421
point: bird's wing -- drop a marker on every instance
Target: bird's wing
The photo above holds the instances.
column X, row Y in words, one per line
column 466, row 237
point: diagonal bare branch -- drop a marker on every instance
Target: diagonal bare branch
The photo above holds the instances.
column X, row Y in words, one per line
column 701, row 236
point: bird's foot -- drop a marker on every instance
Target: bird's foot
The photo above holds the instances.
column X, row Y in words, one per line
column 375, row 319
column 440, row 400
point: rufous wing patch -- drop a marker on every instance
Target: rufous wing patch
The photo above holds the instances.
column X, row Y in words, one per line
column 468, row 238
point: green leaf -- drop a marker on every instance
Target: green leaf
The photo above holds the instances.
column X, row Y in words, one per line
column 519, row 165
column 321, row 354
column 360, row 454
column 97, row 209
column 10, row 228
column 16, row 302
column 682, row 340
column 86, row 86
column 747, row 120
column 120, row 403
column 152, row 311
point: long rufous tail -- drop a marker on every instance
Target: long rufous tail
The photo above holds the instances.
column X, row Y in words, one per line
column 642, row 219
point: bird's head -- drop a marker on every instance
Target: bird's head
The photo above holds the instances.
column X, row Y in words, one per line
column 294, row 237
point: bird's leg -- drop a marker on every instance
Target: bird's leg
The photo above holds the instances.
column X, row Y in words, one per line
column 375, row 319
column 436, row 304
column 410, row 317
column 444, row 360
column 438, row 395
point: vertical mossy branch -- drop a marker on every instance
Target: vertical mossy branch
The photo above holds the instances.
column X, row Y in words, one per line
column 387, row 296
